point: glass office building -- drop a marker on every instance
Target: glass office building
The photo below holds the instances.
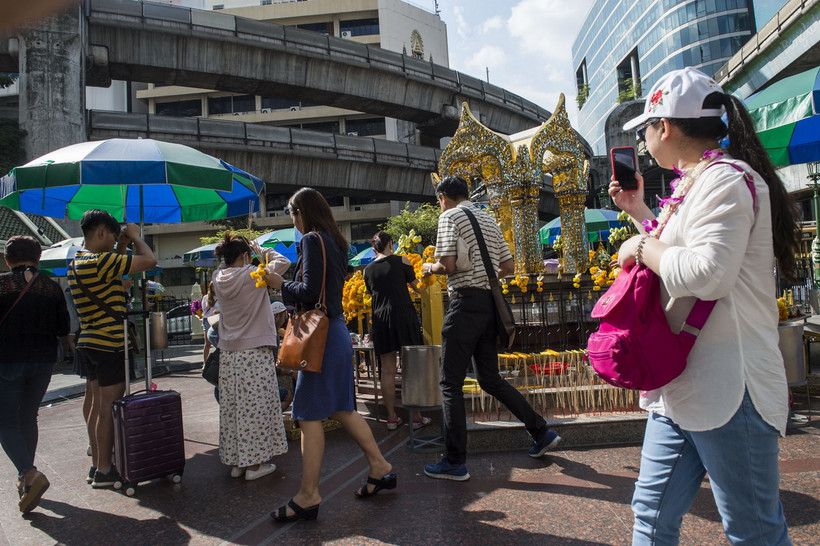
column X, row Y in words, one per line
column 624, row 46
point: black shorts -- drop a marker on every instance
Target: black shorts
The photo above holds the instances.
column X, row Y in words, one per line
column 106, row 368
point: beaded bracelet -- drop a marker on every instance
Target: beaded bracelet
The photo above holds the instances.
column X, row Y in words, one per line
column 639, row 250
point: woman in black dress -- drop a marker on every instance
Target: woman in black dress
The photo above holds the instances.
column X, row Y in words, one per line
column 395, row 322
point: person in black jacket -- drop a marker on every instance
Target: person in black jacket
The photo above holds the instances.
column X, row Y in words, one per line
column 33, row 316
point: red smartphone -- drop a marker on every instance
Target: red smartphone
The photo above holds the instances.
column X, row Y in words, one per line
column 624, row 166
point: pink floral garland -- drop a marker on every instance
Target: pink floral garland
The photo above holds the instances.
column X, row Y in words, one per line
column 680, row 188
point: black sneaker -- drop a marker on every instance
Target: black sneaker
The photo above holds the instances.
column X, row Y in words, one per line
column 106, row 480
column 91, row 472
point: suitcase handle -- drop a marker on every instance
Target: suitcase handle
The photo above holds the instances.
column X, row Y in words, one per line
column 147, row 337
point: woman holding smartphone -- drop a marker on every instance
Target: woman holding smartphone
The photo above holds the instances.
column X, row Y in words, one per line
column 717, row 238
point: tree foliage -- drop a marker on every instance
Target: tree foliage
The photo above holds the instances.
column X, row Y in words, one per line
column 423, row 219
column 249, row 234
column 234, row 224
column 6, row 79
column 631, row 90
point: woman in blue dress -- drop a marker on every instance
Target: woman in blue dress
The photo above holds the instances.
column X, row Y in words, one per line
column 329, row 393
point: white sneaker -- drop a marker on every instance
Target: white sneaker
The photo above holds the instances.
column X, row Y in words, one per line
column 237, row 472
column 263, row 470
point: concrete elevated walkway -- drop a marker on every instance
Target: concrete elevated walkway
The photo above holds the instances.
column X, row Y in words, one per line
column 147, row 42
column 293, row 158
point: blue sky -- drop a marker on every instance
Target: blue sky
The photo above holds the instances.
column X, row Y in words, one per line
column 525, row 44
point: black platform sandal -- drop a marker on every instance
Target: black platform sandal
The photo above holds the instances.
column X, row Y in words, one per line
column 387, row 482
column 281, row 514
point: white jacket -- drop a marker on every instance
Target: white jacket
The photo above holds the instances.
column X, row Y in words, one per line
column 722, row 249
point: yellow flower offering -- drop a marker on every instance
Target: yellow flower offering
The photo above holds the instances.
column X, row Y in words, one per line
column 260, row 273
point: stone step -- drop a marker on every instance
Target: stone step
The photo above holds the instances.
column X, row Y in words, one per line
column 495, row 429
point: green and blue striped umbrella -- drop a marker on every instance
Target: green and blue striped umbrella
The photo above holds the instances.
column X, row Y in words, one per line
column 786, row 118
column 284, row 241
column 598, row 221
column 136, row 180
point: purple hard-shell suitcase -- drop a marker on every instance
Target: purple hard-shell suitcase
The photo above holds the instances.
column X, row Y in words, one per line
column 148, row 437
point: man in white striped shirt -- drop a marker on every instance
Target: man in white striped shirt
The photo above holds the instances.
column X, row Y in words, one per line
column 469, row 329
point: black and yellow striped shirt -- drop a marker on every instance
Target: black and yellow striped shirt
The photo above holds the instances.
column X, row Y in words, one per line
column 101, row 274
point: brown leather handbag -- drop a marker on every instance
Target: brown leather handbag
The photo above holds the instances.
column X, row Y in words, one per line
column 303, row 346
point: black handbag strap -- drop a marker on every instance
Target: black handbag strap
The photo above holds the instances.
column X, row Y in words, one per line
column 94, row 298
column 23, row 291
column 492, row 276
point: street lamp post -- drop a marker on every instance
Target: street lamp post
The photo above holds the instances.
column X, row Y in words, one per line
column 814, row 175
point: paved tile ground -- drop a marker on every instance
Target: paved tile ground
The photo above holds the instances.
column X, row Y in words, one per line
column 572, row 496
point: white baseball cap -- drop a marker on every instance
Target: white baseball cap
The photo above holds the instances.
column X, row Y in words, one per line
column 679, row 94
column 278, row 307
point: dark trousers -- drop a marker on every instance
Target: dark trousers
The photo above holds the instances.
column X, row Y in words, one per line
column 468, row 334
column 22, row 387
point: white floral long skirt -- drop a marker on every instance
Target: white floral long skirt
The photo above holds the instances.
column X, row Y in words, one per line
column 251, row 430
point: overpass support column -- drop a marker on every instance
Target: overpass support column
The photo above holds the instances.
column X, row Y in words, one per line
column 52, row 83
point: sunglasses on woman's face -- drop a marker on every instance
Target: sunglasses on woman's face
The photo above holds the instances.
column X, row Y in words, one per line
column 640, row 132
column 291, row 211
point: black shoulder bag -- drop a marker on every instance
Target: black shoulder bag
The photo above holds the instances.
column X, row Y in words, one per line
column 504, row 321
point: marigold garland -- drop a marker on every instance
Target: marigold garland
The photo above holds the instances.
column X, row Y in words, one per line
column 355, row 301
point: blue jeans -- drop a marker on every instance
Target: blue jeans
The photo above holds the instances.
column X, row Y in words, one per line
column 22, row 387
column 741, row 459
column 213, row 337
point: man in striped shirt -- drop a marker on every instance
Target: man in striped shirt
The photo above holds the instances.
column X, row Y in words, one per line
column 469, row 329
column 101, row 344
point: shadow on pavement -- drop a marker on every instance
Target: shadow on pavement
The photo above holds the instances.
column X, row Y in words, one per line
column 101, row 527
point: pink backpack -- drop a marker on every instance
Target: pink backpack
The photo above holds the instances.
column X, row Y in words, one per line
column 634, row 347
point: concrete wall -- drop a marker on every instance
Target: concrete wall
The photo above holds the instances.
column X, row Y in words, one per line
column 290, row 158
column 52, row 70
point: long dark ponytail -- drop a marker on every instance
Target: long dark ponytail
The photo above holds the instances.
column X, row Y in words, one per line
column 745, row 145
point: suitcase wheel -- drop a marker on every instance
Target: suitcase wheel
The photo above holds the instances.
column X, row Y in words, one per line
column 130, row 490
column 176, row 478
column 118, row 484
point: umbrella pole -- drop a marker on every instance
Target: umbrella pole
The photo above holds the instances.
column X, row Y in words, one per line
column 146, row 314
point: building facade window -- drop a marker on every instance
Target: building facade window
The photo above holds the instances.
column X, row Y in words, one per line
column 231, row 105
column 182, row 108
column 325, row 28
column 620, row 39
column 365, row 127
column 178, row 276
column 323, row 126
column 359, row 27
column 363, row 231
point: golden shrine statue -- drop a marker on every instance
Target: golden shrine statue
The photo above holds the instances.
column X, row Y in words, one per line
column 511, row 168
